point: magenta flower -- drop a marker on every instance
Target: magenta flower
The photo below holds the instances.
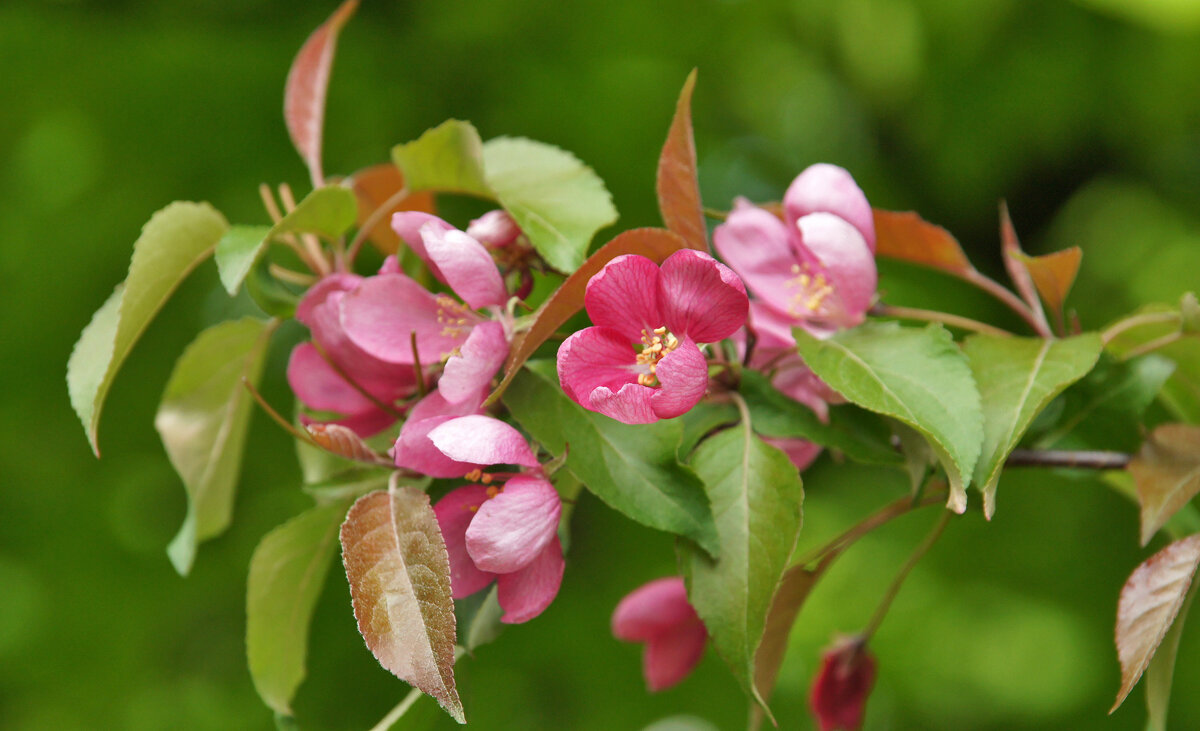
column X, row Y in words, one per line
column 658, row 613
column 816, row 268
column 840, row 689
column 504, row 532
column 663, row 313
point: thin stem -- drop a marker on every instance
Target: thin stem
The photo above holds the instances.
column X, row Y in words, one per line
column 715, row 214
column 1147, row 318
column 422, row 388
column 268, row 199
column 912, row 313
column 1002, row 293
column 390, row 408
column 286, row 425
column 890, row 595
column 287, row 275
column 372, row 220
column 311, row 244
column 395, row 714
column 1153, row 345
column 1077, row 459
column 894, row 509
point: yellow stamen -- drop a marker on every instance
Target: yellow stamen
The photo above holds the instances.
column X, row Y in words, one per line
column 655, row 346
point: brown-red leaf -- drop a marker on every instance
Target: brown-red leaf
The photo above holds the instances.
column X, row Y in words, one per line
column 905, row 235
column 1010, row 250
column 344, row 442
column 1167, row 474
column 374, row 186
column 1053, row 274
column 307, row 84
column 1150, row 600
column 653, row 243
column 793, row 590
column 399, row 574
column 676, row 183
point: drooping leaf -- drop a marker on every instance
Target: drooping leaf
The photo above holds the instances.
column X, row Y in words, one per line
column 374, row 186
column 756, row 497
column 447, row 158
column 675, row 182
column 1183, row 523
column 1167, row 474
column 907, row 236
column 632, row 468
column 236, row 253
column 287, row 572
column 1017, row 378
column 776, row 415
column 203, row 420
column 1149, row 603
column 172, row 243
column 306, row 87
column 1161, row 671
column 344, row 442
column 558, row 202
column 918, row 376
column 271, row 295
column 1010, row 249
column 654, row 243
column 399, row 575
column 918, row 455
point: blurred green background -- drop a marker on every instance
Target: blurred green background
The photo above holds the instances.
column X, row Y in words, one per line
column 1084, row 115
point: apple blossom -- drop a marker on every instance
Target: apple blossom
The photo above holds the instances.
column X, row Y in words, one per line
column 843, row 682
column 658, row 613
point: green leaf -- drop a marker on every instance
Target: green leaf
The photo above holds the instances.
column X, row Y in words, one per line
column 287, row 571
column 776, row 415
column 271, row 295
column 352, row 483
column 327, row 211
column 203, row 420
column 1161, row 671
column 172, row 243
column 237, row 251
column 703, row 418
column 918, row 455
column 479, row 616
column 756, row 497
column 1166, row 471
column 447, row 158
column 631, row 467
column 1017, row 378
column 558, row 202
column 918, row 376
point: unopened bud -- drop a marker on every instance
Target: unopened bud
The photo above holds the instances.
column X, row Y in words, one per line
column 840, row 690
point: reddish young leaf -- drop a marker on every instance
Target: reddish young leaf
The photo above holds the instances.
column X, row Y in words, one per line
column 1150, row 600
column 344, row 442
column 1010, row 249
column 1053, row 274
column 399, row 574
column 1167, row 474
column 307, row 83
column 676, row 183
column 793, row 590
column 905, row 235
column 654, row 243
column 373, row 187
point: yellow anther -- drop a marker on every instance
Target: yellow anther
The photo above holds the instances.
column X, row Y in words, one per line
column 473, row 475
column 493, row 491
column 486, row 479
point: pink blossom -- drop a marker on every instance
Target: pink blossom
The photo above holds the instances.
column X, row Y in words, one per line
column 506, row 532
column 843, row 682
column 816, row 268
column 494, row 229
column 658, row 613
column 664, row 312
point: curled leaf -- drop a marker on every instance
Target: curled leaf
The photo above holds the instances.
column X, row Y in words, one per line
column 344, row 442
column 1014, row 262
column 1150, row 600
column 399, row 574
column 676, row 183
column 1167, row 474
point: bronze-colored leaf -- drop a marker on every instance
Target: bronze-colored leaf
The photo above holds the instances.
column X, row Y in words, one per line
column 654, row 243
column 1167, row 474
column 374, row 186
column 399, row 575
column 905, row 235
column 1150, row 600
column 307, row 84
column 676, row 183
column 344, row 442
column 1010, row 249
column 793, row 590
column 1053, row 274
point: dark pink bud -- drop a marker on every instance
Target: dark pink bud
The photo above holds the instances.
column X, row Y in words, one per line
column 840, row 690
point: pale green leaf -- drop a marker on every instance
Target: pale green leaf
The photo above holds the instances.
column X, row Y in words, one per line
column 1017, row 378
column 236, row 253
column 203, row 420
column 447, row 158
column 918, row 376
column 327, row 211
column 558, row 202
column 287, row 571
column 1161, row 671
column 483, row 625
column 756, row 497
column 632, row 467
column 172, row 243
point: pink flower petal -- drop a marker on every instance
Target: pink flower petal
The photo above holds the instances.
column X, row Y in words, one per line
column 683, row 379
column 383, row 312
column 848, row 263
column 631, row 404
column 482, row 440
column 830, row 189
column 772, row 328
column 319, row 387
column 386, row 381
column 757, row 245
column 494, row 229
column 477, row 362
column 623, row 296
column 408, row 224
column 390, row 265
column 511, row 529
column 454, row 514
column 416, row 451
column 596, row 357
column 700, row 297
column 526, row 593
column 467, row 266
column 801, row 452
column 652, row 609
column 319, row 292
column 669, row 657
column 797, row 381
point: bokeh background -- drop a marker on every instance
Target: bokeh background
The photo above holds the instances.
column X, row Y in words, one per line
column 1084, row 115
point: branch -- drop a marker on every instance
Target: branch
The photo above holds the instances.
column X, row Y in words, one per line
column 1075, row 459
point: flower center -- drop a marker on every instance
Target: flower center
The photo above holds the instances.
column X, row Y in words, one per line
column 655, row 346
column 451, row 316
column 809, row 290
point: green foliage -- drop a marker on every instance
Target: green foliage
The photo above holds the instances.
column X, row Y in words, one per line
column 447, row 158
column 236, row 253
column 633, row 468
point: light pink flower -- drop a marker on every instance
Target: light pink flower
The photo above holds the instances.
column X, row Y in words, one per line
column 658, row 613
column 494, row 229
column 663, row 312
column 843, row 682
column 816, row 268
column 507, row 532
